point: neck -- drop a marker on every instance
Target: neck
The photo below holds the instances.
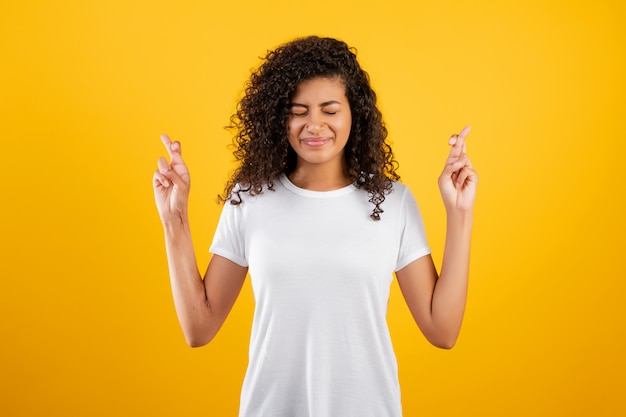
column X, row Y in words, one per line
column 319, row 179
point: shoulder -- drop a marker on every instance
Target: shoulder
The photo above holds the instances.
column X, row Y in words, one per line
column 399, row 191
column 400, row 199
column 399, row 187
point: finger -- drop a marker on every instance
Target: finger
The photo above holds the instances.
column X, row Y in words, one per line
column 464, row 132
column 452, row 167
column 166, row 140
column 163, row 165
column 457, row 146
column 160, row 179
column 173, row 148
column 175, row 178
column 464, row 159
column 461, row 177
column 454, row 177
column 458, row 142
column 466, row 176
column 459, row 162
column 454, row 163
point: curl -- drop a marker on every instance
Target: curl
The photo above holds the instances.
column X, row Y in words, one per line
column 260, row 122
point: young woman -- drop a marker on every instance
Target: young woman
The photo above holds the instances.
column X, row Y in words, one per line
column 316, row 216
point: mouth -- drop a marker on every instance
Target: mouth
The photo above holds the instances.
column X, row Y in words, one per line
column 315, row 141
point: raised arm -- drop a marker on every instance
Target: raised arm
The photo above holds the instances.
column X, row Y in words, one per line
column 438, row 303
column 202, row 305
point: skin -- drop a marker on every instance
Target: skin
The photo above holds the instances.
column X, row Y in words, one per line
column 318, row 128
column 437, row 303
column 201, row 304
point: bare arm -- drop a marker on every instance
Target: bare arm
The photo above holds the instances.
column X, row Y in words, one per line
column 202, row 305
column 438, row 303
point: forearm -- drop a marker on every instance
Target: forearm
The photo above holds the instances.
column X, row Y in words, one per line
column 188, row 290
column 450, row 292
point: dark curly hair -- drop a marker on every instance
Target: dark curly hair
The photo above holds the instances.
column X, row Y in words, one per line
column 261, row 141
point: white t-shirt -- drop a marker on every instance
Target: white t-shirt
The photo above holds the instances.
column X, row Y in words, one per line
column 321, row 271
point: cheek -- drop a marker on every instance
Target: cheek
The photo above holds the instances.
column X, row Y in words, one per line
column 292, row 133
column 346, row 126
column 290, row 126
column 293, row 127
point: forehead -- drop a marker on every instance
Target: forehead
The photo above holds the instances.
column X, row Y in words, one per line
column 320, row 88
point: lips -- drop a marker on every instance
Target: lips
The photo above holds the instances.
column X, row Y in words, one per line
column 315, row 142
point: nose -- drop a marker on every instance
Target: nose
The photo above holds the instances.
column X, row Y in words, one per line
column 314, row 122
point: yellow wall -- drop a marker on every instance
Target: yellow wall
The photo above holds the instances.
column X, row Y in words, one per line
column 88, row 326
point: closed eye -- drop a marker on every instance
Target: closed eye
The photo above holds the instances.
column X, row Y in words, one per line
column 299, row 110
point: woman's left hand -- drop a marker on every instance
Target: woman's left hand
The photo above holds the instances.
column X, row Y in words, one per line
column 458, row 181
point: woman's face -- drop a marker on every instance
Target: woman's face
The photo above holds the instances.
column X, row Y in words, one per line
column 319, row 121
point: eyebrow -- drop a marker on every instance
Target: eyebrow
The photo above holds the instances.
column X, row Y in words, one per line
column 326, row 103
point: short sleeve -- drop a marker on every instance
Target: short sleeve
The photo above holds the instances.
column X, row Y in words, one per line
column 413, row 243
column 229, row 238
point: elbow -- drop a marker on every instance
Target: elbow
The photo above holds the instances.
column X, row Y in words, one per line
column 446, row 342
column 196, row 339
column 195, row 343
column 443, row 335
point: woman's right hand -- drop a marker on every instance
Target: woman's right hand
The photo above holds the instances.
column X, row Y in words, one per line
column 171, row 185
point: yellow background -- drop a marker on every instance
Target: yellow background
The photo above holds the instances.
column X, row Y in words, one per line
column 87, row 321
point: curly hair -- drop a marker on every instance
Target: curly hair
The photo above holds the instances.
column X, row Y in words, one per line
column 261, row 141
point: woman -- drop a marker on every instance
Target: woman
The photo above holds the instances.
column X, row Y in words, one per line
column 315, row 214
